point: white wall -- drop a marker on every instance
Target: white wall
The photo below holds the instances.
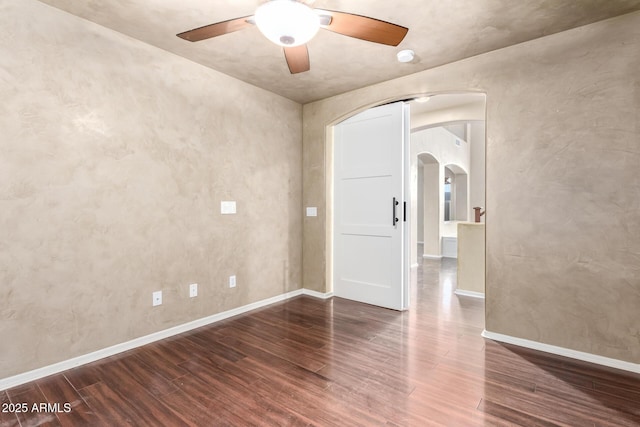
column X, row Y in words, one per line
column 420, row 187
column 432, row 208
column 461, row 197
column 471, row 111
column 477, row 168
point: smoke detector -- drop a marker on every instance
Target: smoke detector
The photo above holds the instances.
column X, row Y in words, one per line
column 406, row 55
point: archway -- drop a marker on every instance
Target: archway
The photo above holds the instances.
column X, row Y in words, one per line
column 451, row 109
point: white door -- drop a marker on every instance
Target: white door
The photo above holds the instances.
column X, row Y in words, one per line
column 370, row 222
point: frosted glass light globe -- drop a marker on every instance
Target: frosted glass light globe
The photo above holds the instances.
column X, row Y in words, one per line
column 287, row 23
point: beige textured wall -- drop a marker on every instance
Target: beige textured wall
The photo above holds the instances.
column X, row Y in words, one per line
column 114, row 157
column 563, row 187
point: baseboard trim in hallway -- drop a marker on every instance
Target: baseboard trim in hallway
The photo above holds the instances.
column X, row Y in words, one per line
column 466, row 293
column 316, row 294
column 566, row 352
column 19, row 379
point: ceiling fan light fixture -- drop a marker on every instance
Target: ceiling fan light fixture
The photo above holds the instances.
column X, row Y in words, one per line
column 287, row 23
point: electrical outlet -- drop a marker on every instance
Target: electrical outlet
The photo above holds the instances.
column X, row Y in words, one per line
column 193, row 290
column 232, row 281
column 157, row 298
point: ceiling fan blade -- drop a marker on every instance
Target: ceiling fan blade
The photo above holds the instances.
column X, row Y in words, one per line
column 217, row 29
column 297, row 59
column 365, row 28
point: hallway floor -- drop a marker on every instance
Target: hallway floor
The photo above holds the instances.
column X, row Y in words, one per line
column 312, row 362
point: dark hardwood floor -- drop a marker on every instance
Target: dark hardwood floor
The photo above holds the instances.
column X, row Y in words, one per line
column 337, row 363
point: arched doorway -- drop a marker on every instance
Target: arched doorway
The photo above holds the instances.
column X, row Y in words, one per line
column 452, row 108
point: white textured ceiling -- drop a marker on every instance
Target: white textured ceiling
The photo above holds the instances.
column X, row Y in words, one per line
column 440, row 32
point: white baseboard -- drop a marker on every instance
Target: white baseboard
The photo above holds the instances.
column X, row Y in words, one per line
column 465, row 293
column 566, row 352
column 45, row 371
column 317, row 294
column 432, row 256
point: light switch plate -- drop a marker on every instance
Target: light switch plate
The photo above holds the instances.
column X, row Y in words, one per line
column 312, row 211
column 228, row 207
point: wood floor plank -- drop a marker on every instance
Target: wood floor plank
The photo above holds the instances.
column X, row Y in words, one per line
column 205, row 407
column 321, row 406
column 198, row 411
column 134, row 370
column 487, row 376
column 356, row 376
column 602, row 408
column 175, row 350
column 273, row 363
column 111, row 408
column 278, row 348
column 207, row 341
column 276, row 332
column 83, row 376
column 160, row 364
column 8, row 417
column 235, row 397
column 514, row 416
column 57, row 390
column 554, row 409
column 35, row 414
column 620, row 390
column 335, row 362
column 115, row 407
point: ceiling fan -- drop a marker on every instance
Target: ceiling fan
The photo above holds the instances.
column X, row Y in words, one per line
column 292, row 23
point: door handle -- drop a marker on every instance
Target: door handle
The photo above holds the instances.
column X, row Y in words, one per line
column 395, row 219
